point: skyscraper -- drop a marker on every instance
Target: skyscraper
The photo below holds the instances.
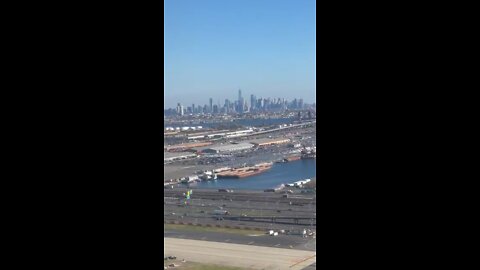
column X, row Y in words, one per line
column 240, row 101
column 179, row 107
column 211, row 105
column 252, row 102
column 227, row 105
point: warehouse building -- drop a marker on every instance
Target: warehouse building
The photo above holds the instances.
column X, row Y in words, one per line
column 266, row 142
column 228, row 148
column 185, row 146
column 169, row 157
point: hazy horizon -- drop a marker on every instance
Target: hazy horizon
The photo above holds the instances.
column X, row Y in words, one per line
column 215, row 47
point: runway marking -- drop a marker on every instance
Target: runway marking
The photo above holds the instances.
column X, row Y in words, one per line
column 251, row 242
column 235, row 254
column 308, row 258
column 277, row 245
column 228, row 240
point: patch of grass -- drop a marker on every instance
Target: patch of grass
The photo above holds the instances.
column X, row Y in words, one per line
column 210, row 229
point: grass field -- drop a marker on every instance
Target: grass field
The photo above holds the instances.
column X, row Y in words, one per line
column 211, row 229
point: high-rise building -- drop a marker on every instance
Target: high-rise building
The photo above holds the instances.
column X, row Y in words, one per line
column 227, row 105
column 252, row 102
column 179, row 108
column 294, row 104
column 211, row 105
column 240, row 101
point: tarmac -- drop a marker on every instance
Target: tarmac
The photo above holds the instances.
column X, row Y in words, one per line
column 247, row 256
column 255, row 238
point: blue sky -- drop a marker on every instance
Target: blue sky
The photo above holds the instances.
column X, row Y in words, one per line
column 215, row 47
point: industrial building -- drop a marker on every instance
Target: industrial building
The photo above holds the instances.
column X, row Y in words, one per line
column 266, row 142
column 168, row 157
column 185, row 146
column 228, row 148
column 220, row 134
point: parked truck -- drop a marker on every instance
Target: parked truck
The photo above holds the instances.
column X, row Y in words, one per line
column 221, row 212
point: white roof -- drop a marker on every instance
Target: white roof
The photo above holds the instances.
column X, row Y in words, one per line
column 177, row 154
column 230, row 147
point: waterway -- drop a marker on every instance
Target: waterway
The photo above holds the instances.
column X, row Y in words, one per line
column 280, row 173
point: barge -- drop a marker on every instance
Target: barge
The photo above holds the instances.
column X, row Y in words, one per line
column 245, row 171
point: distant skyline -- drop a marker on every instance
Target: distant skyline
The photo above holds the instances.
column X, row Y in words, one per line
column 215, row 47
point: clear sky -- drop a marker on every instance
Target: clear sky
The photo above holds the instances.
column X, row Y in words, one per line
column 215, row 47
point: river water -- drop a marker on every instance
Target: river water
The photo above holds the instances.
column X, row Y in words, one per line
column 280, row 173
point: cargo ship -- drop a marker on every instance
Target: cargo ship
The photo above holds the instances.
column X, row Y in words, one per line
column 292, row 158
column 245, row 171
column 289, row 159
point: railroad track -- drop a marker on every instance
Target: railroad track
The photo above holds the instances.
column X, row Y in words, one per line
column 195, row 207
column 257, row 197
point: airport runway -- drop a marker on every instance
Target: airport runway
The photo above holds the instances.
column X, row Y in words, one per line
column 247, row 256
column 255, row 238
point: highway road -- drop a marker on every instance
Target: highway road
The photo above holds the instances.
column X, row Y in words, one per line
column 247, row 256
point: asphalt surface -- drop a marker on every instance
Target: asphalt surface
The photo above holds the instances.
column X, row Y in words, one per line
column 247, row 256
column 255, row 238
column 241, row 206
column 312, row 266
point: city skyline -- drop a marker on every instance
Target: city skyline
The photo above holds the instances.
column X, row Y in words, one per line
column 214, row 47
column 232, row 97
column 242, row 104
